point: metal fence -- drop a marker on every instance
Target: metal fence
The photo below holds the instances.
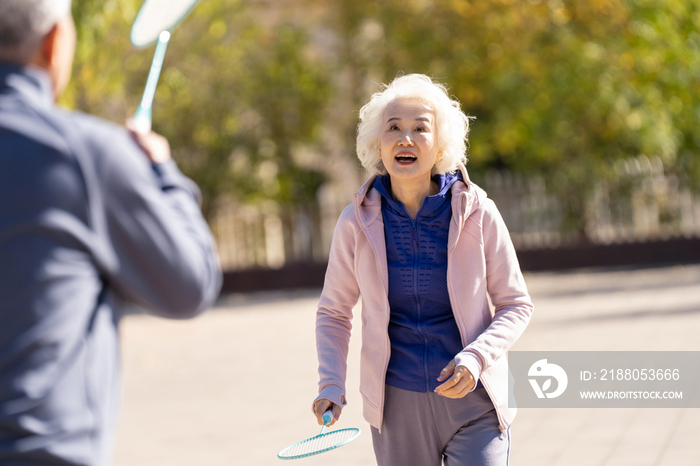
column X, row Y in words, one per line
column 643, row 203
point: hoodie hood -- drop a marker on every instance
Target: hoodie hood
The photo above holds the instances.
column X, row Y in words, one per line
column 466, row 198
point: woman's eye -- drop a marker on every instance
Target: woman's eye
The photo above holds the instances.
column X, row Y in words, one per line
column 393, row 128
column 420, row 129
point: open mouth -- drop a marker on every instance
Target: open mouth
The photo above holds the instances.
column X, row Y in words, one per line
column 405, row 158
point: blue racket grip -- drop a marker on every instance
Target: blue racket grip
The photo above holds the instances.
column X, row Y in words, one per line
column 327, row 417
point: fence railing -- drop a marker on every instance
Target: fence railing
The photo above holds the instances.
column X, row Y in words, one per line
column 643, row 203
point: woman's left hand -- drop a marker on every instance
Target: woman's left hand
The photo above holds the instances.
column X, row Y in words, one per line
column 458, row 385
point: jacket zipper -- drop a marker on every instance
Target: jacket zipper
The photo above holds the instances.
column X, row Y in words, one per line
column 416, row 297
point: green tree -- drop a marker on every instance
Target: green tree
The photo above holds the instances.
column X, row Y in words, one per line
column 238, row 99
column 561, row 88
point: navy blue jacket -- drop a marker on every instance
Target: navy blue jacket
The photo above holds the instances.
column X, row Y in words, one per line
column 86, row 223
column 423, row 333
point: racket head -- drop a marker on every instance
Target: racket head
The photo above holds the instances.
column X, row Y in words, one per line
column 156, row 16
column 319, row 444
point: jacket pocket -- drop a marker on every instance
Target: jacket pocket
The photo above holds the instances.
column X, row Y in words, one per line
column 373, row 403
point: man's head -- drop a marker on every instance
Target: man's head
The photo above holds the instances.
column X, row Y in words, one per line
column 39, row 33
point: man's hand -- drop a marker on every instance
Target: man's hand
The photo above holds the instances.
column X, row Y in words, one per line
column 321, row 406
column 458, row 385
column 155, row 146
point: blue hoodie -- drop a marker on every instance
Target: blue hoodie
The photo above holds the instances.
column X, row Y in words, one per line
column 422, row 329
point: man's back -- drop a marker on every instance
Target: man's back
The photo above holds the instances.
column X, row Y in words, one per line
column 85, row 223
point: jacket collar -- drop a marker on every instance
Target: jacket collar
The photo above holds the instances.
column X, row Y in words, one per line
column 368, row 211
column 30, row 82
column 466, row 198
column 367, row 202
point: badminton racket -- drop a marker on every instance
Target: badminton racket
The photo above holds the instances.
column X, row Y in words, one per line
column 323, row 442
column 154, row 23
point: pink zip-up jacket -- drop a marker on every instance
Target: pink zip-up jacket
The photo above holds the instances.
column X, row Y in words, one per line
column 481, row 264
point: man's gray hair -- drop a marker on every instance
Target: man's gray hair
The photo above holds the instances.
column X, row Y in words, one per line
column 24, row 23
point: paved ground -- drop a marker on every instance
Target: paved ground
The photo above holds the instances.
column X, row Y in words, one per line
column 234, row 386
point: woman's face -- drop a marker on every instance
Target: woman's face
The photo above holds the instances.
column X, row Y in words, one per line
column 408, row 142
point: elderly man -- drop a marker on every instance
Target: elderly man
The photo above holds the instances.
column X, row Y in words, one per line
column 91, row 215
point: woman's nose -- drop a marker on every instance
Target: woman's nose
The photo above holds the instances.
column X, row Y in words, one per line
column 406, row 140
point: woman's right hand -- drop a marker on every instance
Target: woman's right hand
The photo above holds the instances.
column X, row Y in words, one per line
column 321, row 406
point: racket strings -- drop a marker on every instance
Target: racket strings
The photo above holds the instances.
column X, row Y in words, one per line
column 320, row 443
column 156, row 16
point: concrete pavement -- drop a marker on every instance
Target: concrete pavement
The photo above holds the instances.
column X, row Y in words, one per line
column 234, row 386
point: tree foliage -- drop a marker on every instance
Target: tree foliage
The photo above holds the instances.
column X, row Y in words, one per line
column 238, row 99
column 563, row 88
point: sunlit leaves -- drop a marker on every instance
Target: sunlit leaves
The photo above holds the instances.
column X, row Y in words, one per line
column 231, row 81
column 558, row 87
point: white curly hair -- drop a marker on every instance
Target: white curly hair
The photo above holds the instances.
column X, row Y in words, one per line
column 452, row 125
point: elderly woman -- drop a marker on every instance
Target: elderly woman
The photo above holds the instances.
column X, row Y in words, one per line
column 426, row 249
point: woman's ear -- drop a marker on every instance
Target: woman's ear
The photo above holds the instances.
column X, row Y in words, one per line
column 434, row 171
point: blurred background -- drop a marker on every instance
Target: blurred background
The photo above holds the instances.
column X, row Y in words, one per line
column 585, row 131
column 585, row 136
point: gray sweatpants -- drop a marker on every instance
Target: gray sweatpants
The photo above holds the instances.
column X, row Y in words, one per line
column 423, row 429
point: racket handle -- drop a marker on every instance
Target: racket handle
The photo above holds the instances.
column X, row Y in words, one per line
column 142, row 117
column 142, row 120
column 327, row 417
